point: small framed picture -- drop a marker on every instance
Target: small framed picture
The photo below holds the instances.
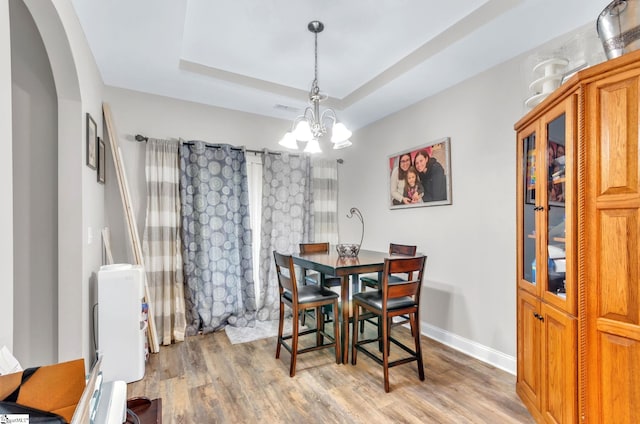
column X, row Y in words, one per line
column 92, row 142
column 101, row 161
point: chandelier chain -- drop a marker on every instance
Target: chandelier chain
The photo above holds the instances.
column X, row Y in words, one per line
column 316, row 89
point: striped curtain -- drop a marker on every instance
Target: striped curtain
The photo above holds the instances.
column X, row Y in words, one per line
column 161, row 245
column 324, row 180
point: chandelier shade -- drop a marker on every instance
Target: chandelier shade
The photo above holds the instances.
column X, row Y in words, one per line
column 313, row 146
column 302, row 131
column 312, row 125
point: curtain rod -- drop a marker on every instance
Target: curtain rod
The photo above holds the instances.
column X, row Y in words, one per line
column 140, row 138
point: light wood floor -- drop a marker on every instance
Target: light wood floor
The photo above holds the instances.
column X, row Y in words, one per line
column 208, row 380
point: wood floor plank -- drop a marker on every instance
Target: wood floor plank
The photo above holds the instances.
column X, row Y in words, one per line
column 206, row 379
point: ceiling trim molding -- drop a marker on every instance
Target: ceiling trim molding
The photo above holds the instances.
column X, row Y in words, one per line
column 461, row 29
column 258, row 84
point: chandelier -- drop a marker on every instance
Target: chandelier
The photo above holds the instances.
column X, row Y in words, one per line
column 312, row 124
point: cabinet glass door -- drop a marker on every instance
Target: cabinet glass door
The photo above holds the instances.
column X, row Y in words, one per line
column 555, row 199
column 528, row 213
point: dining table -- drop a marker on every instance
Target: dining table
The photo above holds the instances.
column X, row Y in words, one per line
column 349, row 270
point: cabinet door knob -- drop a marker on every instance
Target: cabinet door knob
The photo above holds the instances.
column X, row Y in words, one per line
column 535, row 314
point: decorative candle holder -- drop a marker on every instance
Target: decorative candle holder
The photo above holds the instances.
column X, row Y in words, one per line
column 349, row 249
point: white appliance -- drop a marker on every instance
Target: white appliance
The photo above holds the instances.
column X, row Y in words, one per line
column 121, row 326
column 112, row 407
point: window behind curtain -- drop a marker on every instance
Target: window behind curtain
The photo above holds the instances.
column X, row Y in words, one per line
column 325, row 199
column 254, row 176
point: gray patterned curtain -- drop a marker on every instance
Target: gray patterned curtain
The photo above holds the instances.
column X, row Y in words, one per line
column 161, row 242
column 216, row 235
column 287, row 218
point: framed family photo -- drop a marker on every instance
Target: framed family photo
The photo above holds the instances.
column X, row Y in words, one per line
column 420, row 176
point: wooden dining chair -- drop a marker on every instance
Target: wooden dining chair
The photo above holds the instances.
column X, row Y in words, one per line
column 329, row 280
column 394, row 299
column 301, row 298
column 316, row 278
column 371, row 280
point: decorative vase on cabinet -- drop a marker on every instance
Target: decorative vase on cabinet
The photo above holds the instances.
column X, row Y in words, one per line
column 578, row 249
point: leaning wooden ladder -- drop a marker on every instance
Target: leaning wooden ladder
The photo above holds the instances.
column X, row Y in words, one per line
column 132, row 227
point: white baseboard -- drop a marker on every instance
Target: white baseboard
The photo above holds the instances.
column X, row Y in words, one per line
column 468, row 347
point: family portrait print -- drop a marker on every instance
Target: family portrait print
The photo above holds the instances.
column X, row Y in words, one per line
column 555, row 173
column 421, row 176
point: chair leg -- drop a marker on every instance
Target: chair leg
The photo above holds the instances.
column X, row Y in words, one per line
column 280, row 326
column 354, row 341
column 364, row 321
column 294, row 343
column 412, row 328
column 385, row 352
column 363, row 287
column 319, row 326
column 388, row 339
column 415, row 329
column 336, row 333
column 380, row 338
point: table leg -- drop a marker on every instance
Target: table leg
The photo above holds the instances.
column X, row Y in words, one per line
column 345, row 318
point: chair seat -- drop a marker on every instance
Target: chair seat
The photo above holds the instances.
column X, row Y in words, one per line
column 374, row 299
column 308, row 294
column 329, row 280
column 372, row 279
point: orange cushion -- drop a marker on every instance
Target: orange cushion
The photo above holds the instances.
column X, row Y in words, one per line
column 55, row 388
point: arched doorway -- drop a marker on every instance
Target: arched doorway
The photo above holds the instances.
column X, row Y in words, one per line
column 63, row 296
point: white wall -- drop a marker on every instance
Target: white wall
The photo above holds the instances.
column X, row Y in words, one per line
column 35, row 193
column 6, row 188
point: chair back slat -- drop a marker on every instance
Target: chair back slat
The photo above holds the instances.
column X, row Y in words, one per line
column 287, row 281
column 408, row 288
column 402, row 249
column 313, row 248
column 413, row 266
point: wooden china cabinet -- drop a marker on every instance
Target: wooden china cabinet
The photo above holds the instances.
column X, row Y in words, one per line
column 578, row 249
